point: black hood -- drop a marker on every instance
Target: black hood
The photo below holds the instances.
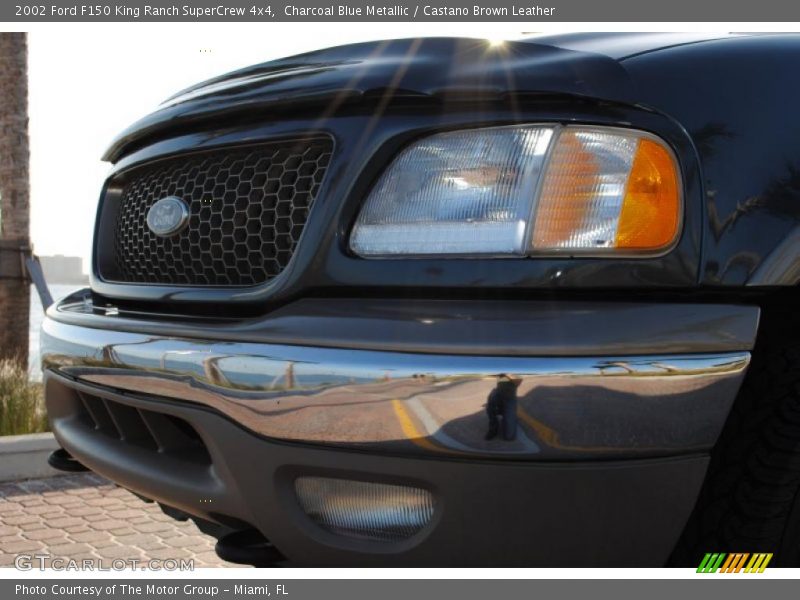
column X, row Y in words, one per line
column 451, row 69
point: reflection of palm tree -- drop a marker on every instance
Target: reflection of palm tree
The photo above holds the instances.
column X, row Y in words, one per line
column 667, row 368
column 780, row 197
column 288, row 377
column 719, row 226
column 705, row 138
column 617, row 364
column 109, row 354
column 14, row 196
column 213, row 372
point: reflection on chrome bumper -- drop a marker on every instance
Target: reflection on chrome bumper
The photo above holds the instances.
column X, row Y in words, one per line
column 541, row 408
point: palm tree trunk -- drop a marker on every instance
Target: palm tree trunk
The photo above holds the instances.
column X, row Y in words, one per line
column 14, row 196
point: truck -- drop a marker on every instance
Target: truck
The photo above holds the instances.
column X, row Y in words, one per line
column 452, row 302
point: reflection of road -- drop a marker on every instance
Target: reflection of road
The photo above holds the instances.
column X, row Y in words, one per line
column 557, row 414
column 455, row 416
column 446, row 416
column 410, row 430
column 436, row 438
column 349, row 413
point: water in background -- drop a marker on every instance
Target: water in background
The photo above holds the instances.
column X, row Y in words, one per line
column 58, row 291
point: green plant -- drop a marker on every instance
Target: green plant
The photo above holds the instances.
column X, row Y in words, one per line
column 21, row 401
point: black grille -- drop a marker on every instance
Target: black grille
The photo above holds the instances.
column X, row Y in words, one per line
column 247, row 208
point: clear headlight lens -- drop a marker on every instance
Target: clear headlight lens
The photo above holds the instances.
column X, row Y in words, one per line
column 464, row 192
column 524, row 190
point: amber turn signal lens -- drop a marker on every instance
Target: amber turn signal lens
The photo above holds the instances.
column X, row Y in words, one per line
column 607, row 190
column 650, row 213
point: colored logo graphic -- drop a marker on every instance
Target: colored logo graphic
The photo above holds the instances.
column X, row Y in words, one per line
column 744, row 562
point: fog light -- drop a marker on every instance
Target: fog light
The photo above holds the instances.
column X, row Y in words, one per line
column 361, row 509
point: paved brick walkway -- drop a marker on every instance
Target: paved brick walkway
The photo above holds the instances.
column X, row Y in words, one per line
column 84, row 516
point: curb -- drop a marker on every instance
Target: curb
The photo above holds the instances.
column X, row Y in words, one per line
column 25, row 456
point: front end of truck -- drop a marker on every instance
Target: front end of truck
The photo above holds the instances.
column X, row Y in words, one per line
column 422, row 302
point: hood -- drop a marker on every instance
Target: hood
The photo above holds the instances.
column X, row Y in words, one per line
column 451, row 69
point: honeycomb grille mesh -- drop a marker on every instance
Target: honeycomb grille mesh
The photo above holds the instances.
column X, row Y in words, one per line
column 247, row 210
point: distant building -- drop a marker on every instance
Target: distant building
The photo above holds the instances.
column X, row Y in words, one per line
column 63, row 269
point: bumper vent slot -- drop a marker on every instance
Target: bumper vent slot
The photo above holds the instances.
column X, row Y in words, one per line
column 247, row 210
column 145, row 429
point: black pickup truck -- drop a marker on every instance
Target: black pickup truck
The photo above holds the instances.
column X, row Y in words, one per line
column 450, row 302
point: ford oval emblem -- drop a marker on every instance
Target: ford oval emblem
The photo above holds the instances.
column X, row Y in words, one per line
column 168, row 216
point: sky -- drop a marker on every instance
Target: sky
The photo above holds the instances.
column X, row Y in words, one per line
column 87, row 84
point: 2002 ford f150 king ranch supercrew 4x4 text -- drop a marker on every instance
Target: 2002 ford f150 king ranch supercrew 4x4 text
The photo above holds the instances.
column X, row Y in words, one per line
column 445, row 302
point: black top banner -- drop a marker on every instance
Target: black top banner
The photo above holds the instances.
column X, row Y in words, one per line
column 510, row 11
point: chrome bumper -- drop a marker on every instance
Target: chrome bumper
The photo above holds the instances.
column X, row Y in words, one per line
column 420, row 404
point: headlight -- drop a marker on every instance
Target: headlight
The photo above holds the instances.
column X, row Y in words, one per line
column 520, row 190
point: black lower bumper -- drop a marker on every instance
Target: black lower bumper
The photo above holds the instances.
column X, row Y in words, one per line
column 625, row 513
column 602, row 450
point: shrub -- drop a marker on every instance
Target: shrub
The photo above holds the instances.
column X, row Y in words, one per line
column 21, row 401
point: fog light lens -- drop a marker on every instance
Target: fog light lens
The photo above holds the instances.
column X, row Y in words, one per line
column 366, row 510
